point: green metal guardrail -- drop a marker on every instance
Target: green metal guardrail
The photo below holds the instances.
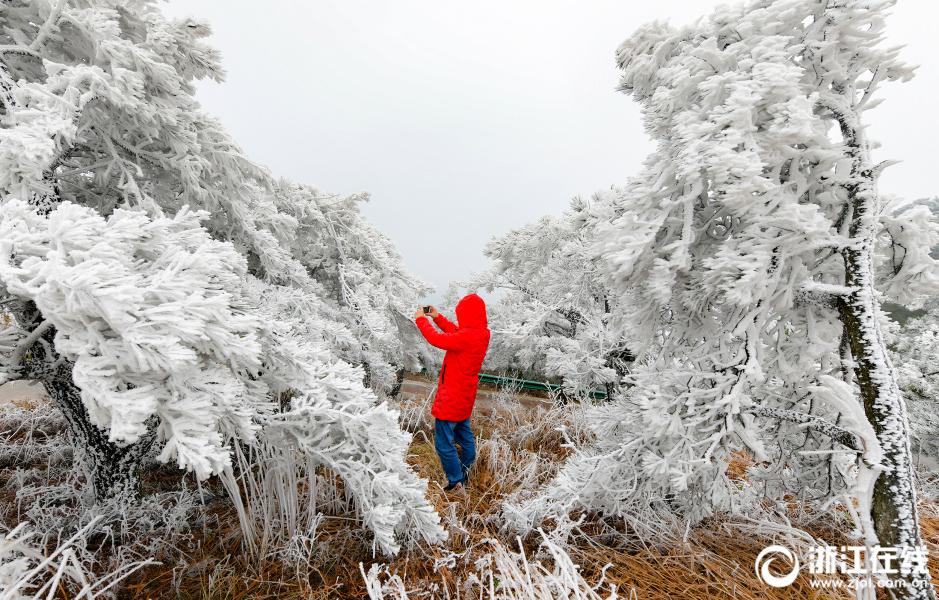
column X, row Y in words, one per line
column 528, row 384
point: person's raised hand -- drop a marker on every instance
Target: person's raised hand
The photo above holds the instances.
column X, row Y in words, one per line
column 419, row 313
column 432, row 313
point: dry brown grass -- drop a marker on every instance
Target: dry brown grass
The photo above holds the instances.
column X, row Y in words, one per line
column 740, row 463
column 517, row 447
column 929, row 526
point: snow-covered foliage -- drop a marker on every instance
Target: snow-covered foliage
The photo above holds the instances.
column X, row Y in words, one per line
column 147, row 311
column 28, row 572
column 504, row 574
column 556, row 317
column 368, row 295
column 749, row 258
column 916, row 354
column 337, row 422
column 166, row 291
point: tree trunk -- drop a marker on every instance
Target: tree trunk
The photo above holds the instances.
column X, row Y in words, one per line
column 893, row 508
column 618, row 361
column 112, row 468
column 399, row 381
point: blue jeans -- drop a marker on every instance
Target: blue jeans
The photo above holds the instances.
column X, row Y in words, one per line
column 445, row 434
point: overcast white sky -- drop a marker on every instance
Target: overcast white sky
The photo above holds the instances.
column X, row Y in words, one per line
column 464, row 120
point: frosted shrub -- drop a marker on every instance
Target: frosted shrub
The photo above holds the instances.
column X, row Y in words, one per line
column 504, row 574
column 916, row 351
column 33, row 437
column 27, row 572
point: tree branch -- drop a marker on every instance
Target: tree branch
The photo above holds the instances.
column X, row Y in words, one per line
column 24, row 50
column 839, row 434
column 47, row 26
column 28, row 341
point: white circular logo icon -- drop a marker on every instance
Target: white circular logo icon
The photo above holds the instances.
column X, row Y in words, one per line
column 766, row 557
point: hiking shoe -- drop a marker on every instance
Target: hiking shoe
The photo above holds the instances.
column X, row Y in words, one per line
column 455, row 486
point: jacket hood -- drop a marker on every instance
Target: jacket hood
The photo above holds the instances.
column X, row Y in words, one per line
column 471, row 312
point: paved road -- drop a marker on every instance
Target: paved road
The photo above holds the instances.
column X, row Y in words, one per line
column 20, row 390
column 486, row 398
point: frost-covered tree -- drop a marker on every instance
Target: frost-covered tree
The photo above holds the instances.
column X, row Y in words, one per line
column 916, row 355
column 755, row 252
column 914, row 340
column 165, row 290
column 362, row 278
column 556, row 316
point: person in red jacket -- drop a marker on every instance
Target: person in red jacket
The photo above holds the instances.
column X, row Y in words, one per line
column 466, row 344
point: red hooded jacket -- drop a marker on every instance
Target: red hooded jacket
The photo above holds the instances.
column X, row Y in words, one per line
column 466, row 346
